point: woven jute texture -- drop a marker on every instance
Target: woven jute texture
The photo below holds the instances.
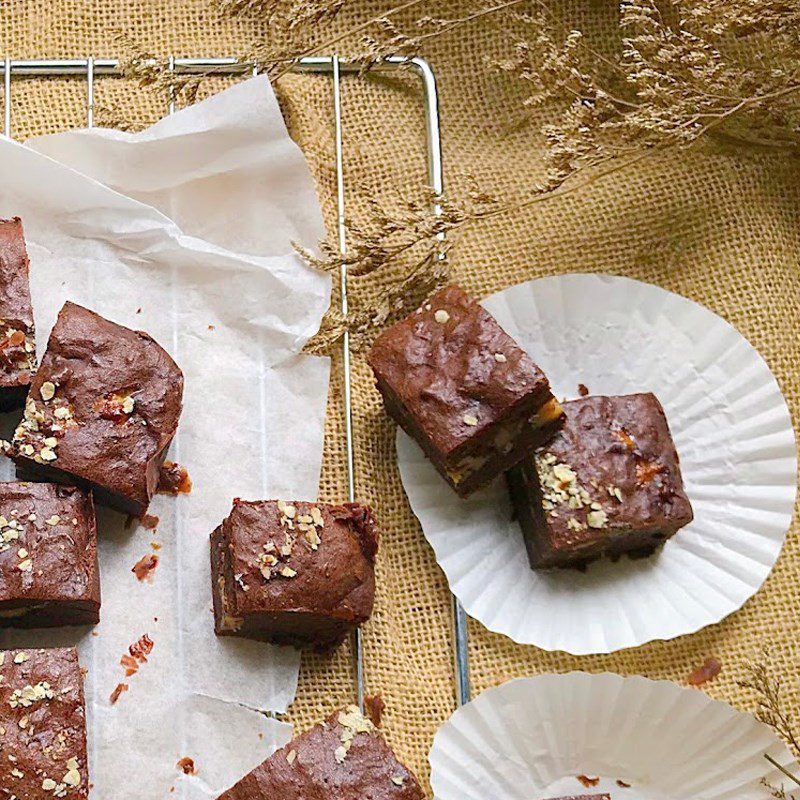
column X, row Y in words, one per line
column 718, row 226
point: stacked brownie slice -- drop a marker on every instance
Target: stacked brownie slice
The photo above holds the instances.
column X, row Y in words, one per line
column 608, row 483
column 456, row 382
column 596, row 476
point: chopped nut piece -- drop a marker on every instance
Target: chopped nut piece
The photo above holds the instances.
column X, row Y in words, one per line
column 471, row 420
column 47, row 390
column 441, row 316
column 72, row 778
column 597, row 519
column 500, row 358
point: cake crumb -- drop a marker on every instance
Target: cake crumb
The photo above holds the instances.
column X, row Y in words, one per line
column 150, row 521
column 115, row 695
column 144, row 568
column 706, row 672
column 186, row 764
column 174, row 479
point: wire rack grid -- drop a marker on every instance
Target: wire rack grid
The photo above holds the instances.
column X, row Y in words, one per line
column 89, row 68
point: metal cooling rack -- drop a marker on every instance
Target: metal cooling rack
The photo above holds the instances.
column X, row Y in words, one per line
column 90, row 68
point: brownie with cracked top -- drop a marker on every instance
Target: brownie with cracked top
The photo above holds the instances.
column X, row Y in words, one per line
column 102, row 410
column 17, row 334
column 49, row 575
column 456, row 382
column 345, row 758
column 43, row 722
column 293, row 572
column 608, row 483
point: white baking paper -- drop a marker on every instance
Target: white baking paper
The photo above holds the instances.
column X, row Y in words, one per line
column 531, row 738
column 185, row 231
column 733, row 433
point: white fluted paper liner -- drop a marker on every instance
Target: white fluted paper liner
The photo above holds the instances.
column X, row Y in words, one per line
column 733, row 433
column 531, row 738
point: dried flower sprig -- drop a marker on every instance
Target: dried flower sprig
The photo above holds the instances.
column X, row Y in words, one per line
column 723, row 68
column 155, row 73
column 388, row 38
column 400, row 244
column 286, row 15
column 771, row 710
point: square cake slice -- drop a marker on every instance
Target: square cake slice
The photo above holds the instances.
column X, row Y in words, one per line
column 293, row 573
column 43, row 717
column 102, row 410
column 17, row 340
column 608, row 483
column 345, row 758
column 456, row 382
column 49, row 574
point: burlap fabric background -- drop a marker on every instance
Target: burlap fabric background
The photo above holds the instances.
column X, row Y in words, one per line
column 720, row 227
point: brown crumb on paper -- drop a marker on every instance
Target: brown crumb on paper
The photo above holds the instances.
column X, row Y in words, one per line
column 174, row 479
column 186, row 765
column 587, row 781
column 144, row 568
column 149, row 521
column 622, row 784
column 121, row 687
column 583, row 390
column 706, row 672
column 137, row 655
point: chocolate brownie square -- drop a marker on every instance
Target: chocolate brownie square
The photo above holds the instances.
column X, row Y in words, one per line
column 102, row 410
column 43, row 724
column 49, row 574
column 17, row 337
column 608, row 483
column 345, row 758
column 293, row 573
column 456, row 382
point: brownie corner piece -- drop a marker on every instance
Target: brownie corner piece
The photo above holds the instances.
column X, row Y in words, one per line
column 293, row 573
column 17, row 334
column 43, row 717
column 49, row 572
column 103, row 407
column 607, row 484
column 457, row 383
column 343, row 758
